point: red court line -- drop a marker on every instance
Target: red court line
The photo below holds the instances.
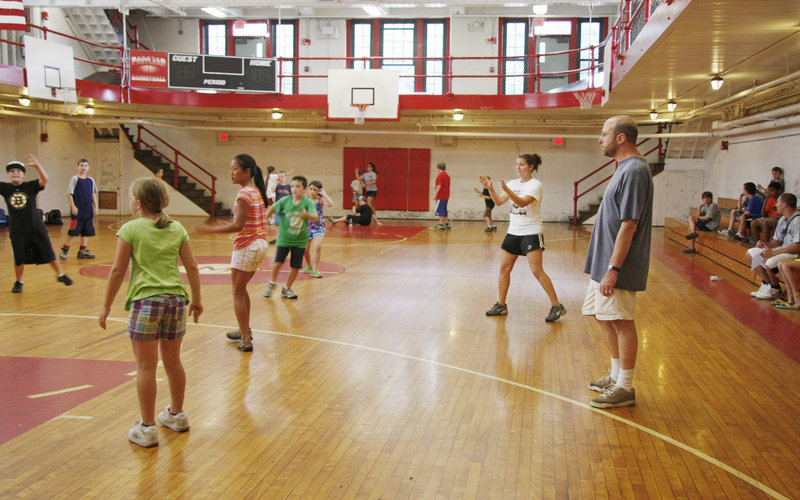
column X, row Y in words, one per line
column 758, row 315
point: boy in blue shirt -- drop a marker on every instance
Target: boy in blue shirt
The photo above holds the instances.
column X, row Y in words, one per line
column 82, row 194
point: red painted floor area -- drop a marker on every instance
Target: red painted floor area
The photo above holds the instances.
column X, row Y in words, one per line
column 23, row 377
column 758, row 315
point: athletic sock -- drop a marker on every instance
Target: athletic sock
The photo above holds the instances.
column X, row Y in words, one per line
column 614, row 368
column 83, row 247
column 625, row 379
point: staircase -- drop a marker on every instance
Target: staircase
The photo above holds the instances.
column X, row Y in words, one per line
column 186, row 186
column 93, row 24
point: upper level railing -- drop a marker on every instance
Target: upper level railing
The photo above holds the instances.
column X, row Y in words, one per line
column 472, row 75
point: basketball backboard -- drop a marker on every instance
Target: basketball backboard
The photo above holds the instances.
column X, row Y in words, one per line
column 375, row 90
column 49, row 67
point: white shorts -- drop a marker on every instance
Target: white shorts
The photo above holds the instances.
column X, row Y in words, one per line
column 757, row 259
column 620, row 305
column 249, row 258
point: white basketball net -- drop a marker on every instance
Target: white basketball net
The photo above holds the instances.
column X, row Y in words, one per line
column 70, row 97
column 585, row 98
column 361, row 110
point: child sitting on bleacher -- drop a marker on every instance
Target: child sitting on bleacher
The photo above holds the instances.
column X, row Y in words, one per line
column 762, row 229
column 741, row 218
column 766, row 255
column 707, row 219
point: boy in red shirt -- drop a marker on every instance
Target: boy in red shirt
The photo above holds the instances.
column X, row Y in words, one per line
column 440, row 196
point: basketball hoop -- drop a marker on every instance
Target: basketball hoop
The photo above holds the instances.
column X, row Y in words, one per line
column 69, row 95
column 586, row 97
column 361, row 110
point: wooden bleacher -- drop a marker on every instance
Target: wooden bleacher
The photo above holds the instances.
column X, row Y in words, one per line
column 726, row 252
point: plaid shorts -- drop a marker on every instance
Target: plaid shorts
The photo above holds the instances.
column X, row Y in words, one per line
column 158, row 317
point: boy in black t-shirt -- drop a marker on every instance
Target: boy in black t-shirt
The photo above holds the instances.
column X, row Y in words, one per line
column 29, row 239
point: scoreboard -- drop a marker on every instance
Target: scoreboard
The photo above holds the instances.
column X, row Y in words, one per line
column 197, row 71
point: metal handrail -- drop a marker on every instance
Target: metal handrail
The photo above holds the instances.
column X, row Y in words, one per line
column 177, row 155
column 576, row 196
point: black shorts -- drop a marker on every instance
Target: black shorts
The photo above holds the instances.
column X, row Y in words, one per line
column 357, row 219
column 521, row 245
column 372, row 194
column 81, row 227
column 32, row 248
column 296, row 261
column 701, row 225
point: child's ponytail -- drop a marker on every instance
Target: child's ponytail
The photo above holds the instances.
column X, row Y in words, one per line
column 152, row 194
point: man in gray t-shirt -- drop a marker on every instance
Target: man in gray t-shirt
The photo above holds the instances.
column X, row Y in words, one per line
column 618, row 259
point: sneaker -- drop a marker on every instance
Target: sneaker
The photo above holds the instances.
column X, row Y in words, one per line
column 245, row 345
column 85, row 254
column 763, row 289
column 739, row 237
column 448, row 226
column 271, row 242
column 64, row 279
column 178, row 422
column 17, row 288
column 497, row 310
column 556, row 312
column 316, row 274
column 308, row 269
column 63, row 254
column 494, row 228
column 614, row 397
column 288, row 293
column 237, row 334
column 689, row 250
column 488, row 229
column 143, row 436
column 692, row 236
column 439, row 226
column 602, row 383
column 768, row 293
column 730, row 233
column 267, row 293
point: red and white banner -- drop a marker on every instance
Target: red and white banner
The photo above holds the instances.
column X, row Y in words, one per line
column 12, row 15
column 148, row 68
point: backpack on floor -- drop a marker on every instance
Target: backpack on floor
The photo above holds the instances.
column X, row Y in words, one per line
column 53, row 217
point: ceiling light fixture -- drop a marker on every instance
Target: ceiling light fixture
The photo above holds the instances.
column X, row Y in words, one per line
column 374, row 10
column 458, row 116
column 276, row 114
column 24, row 100
column 716, row 82
column 671, row 105
column 540, row 9
column 653, row 114
column 214, row 11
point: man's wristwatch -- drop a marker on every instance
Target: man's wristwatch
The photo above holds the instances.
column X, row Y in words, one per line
column 613, row 268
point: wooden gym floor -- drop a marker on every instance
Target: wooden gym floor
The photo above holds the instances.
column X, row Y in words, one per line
column 386, row 380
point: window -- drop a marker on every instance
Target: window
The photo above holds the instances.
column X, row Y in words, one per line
column 284, row 40
column 515, row 45
column 398, row 42
column 589, row 36
column 216, row 37
column 362, row 44
column 434, row 47
column 416, row 48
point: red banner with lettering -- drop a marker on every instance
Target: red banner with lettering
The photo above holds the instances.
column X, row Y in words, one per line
column 148, row 68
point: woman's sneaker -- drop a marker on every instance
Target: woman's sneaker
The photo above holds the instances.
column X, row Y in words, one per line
column 307, row 269
column 178, row 422
column 556, row 312
column 316, row 274
column 288, row 293
column 267, row 293
column 143, row 436
column 497, row 310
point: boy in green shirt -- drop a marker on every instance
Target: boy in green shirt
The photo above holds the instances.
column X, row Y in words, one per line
column 295, row 211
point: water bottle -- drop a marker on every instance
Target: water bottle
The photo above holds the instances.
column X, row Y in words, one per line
column 715, row 278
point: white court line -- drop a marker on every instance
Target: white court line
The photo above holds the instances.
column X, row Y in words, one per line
column 75, row 417
column 685, row 447
column 60, row 391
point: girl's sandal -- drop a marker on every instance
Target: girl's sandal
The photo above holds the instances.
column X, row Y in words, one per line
column 791, row 307
column 245, row 345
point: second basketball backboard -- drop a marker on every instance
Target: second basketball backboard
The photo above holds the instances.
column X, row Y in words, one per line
column 367, row 93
